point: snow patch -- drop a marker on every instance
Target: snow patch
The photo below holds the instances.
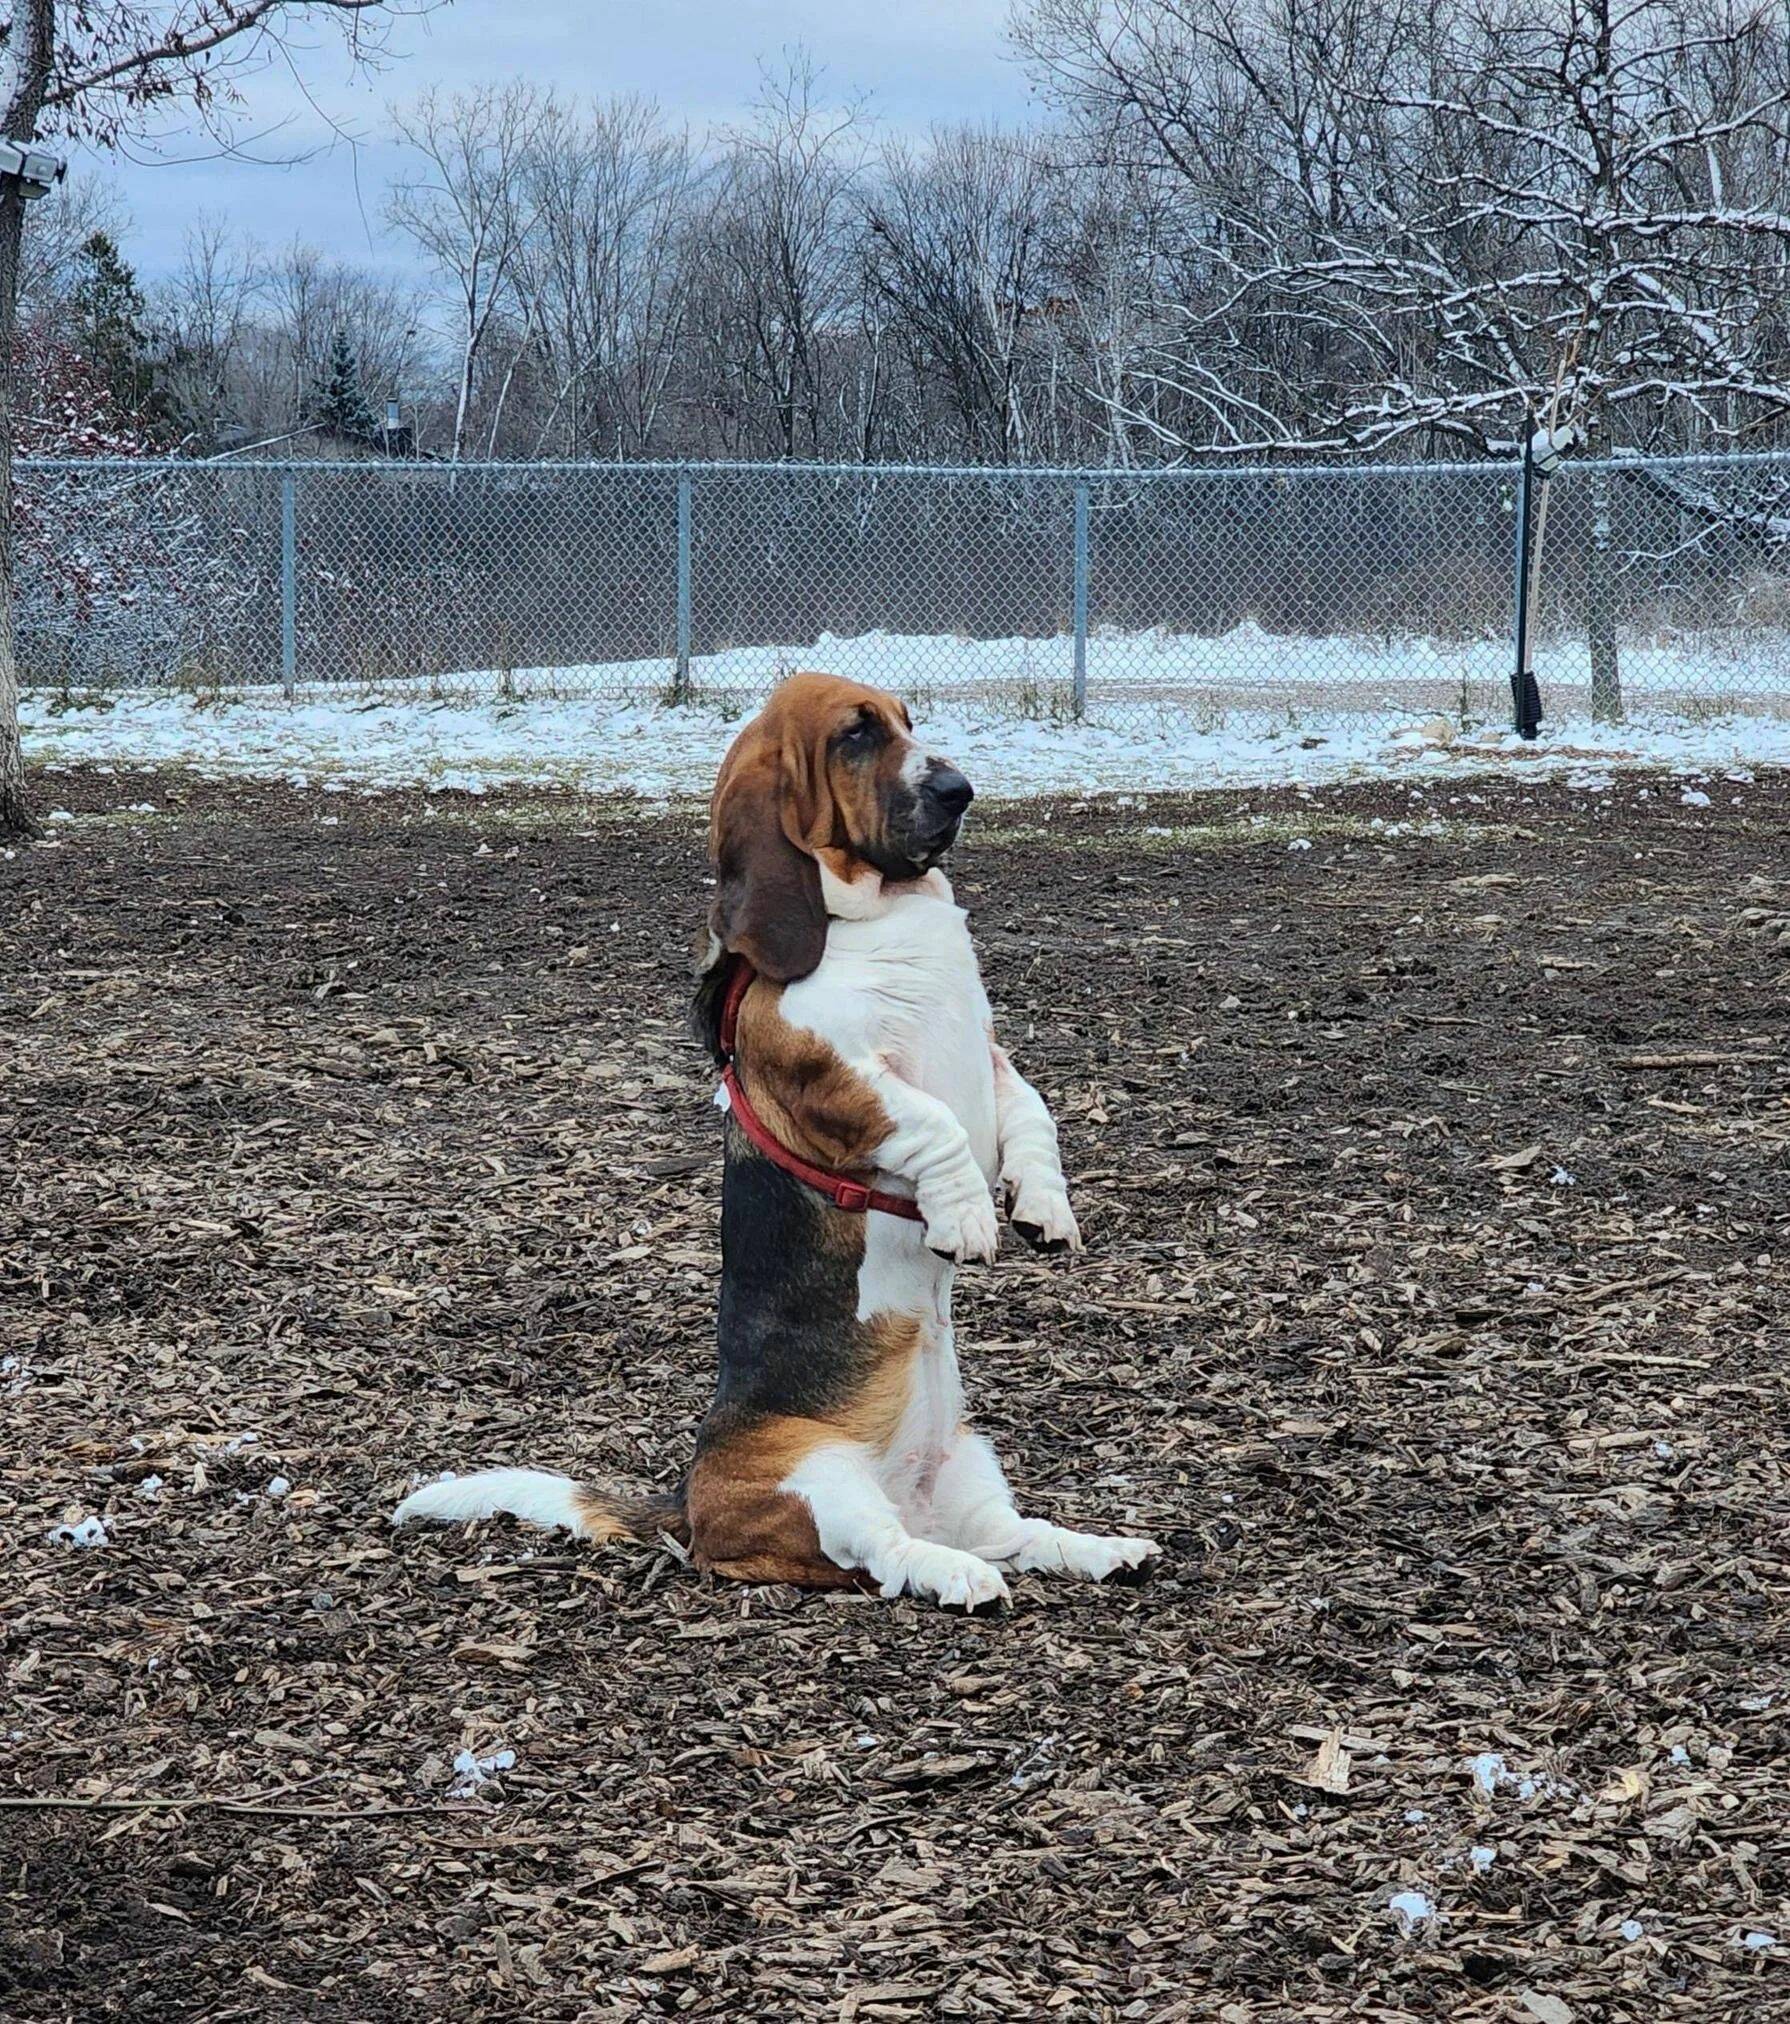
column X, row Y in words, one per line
column 1488, row 1771
column 85, row 1532
column 1412, row 1910
column 1491, row 1775
column 404, row 735
column 472, row 1772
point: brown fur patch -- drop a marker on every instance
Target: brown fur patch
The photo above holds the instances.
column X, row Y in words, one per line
column 827, row 804
column 874, row 1413
column 743, row 1524
column 807, row 1096
column 602, row 1517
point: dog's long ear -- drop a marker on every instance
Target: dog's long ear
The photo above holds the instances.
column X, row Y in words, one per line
column 768, row 905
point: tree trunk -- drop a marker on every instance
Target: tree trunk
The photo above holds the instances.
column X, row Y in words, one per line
column 32, row 39
column 463, row 401
column 1600, row 607
column 15, row 816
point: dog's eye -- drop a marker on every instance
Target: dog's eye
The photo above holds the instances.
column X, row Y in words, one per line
column 861, row 736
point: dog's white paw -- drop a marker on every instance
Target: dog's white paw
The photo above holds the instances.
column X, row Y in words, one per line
column 1088, row 1556
column 943, row 1575
column 962, row 1227
column 1038, row 1208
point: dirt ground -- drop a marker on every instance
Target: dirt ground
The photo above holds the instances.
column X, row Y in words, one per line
column 1433, row 1148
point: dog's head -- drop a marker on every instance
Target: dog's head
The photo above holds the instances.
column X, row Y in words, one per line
column 827, row 773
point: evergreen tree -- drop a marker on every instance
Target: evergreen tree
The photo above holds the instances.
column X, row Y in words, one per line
column 108, row 311
column 339, row 402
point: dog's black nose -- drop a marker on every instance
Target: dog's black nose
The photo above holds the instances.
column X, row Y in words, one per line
column 950, row 790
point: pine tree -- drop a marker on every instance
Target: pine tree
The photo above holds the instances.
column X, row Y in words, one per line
column 338, row 402
column 108, row 310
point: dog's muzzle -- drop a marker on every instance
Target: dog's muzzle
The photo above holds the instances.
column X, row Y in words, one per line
column 938, row 809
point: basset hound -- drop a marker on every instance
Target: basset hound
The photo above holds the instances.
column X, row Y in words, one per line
column 835, row 1452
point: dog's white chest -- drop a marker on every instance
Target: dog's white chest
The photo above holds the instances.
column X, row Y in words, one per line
column 912, row 973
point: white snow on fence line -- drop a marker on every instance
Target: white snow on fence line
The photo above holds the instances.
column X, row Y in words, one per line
column 407, row 738
column 1354, row 670
column 1243, row 668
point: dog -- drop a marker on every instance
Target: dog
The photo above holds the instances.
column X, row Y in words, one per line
column 841, row 995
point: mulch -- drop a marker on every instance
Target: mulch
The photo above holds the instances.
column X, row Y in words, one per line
column 1433, row 1148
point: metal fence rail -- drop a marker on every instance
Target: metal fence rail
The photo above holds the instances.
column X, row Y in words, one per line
column 1262, row 597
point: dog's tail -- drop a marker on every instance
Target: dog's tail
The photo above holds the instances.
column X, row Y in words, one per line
column 538, row 1497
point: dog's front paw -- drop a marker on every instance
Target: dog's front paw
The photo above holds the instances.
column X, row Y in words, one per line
column 1088, row 1556
column 943, row 1575
column 964, row 1227
column 1038, row 1207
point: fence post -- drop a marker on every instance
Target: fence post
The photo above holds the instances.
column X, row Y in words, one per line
column 680, row 687
column 1081, row 596
column 289, row 582
column 1525, row 696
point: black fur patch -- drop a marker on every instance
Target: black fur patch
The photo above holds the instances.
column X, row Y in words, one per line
column 705, row 1007
column 789, row 1339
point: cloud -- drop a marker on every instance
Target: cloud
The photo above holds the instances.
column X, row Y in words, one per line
column 918, row 62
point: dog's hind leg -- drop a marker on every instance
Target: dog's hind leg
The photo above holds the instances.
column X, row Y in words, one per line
column 973, row 1510
column 858, row 1527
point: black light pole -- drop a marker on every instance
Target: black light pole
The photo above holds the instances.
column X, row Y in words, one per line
column 1525, row 693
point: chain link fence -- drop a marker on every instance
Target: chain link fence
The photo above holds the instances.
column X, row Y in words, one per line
column 1263, row 598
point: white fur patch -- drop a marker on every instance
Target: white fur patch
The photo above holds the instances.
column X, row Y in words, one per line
column 858, row 1526
column 536, row 1496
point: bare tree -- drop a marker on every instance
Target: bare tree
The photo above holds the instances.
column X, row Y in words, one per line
column 242, row 337
column 603, row 275
column 779, row 265
column 100, row 69
column 203, row 312
column 1402, row 219
column 960, row 240
column 1411, row 222
column 30, row 48
column 60, row 226
column 469, row 208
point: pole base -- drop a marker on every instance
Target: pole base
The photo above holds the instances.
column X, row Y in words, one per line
column 1525, row 695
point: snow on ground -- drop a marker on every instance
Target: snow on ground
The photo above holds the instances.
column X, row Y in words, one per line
column 1206, row 677
column 1200, row 673
column 473, row 1772
column 410, row 737
column 1413, row 1909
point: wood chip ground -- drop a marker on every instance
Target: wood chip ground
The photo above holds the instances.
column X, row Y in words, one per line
column 1435, row 1316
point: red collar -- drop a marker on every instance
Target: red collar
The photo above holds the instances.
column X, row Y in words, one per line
column 845, row 1193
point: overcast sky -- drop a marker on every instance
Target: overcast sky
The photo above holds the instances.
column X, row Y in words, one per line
column 916, row 60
